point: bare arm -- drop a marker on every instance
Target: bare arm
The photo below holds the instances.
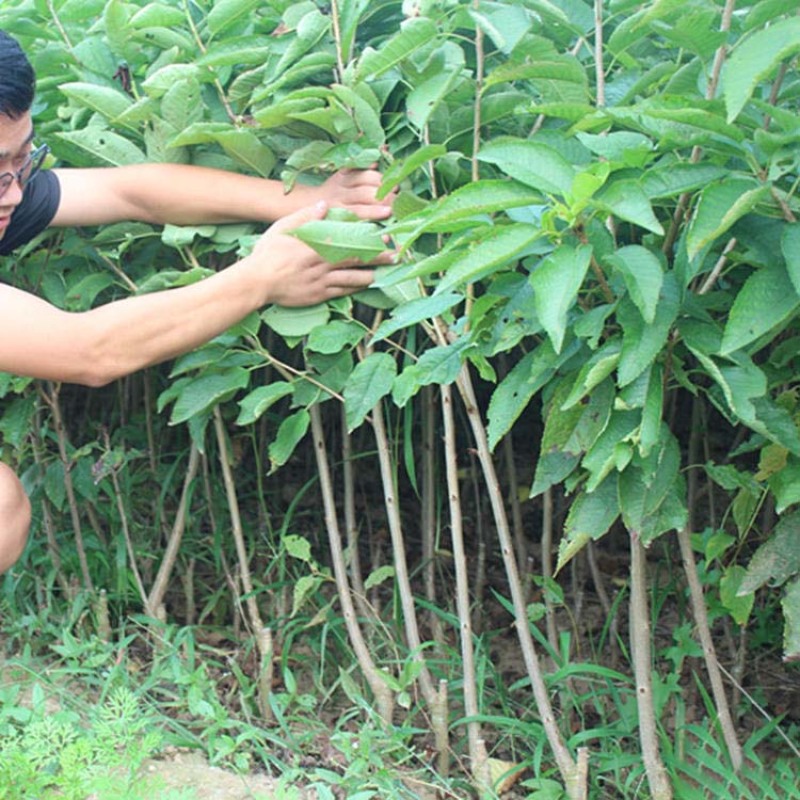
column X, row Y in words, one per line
column 181, row 195
column 97, row 346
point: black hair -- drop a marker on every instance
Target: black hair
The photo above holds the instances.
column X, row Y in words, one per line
column 17, row 79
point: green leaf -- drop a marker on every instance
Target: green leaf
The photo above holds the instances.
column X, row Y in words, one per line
column 556, row 282
column 290, row 433
column 738, row 605
column 593, row 372
column 379, row 576
column 423, row 100
column 370, row 381
column 764, row 302
column 199, row 395
column 335, row 336
column 256, row 403
column 228, row 12
column 515, row 391
column 470, row 202
column 501, row 246
column 296, row 322
column 162, row 80
column 626, row 199
column 642, row 343
column 590, row 516
column 785, row 485
column 719, row 207
column 671, row 180
column 438, row 365
column 790, row 245
column 414, row 33
column 103, row 99
column 611, row 450
column 791, row 615
column 401, row 168
column 529, row 162
column 754, row 59
column 643, row 274
column 336, row 241
column 414, row 312
column 101, row 147
column 778, row 559
column 297, row 547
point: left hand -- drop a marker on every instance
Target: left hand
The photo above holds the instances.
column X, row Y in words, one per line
column 354, row 189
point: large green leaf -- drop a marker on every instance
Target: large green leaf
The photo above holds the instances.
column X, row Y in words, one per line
column 402, row 168
column 515, row 391
column 290, row 433
column 778, row 559
column 103, row 99
column 590, row 516
column 626, row 199
column 257, row 402
column 719, row 207
column 767, row 298
column 228, row 12
column 199, row 395
column 416, row 311
column 337, row 241
column 556, row 282
column 101, row 147
column 501, row 247
column 371, row 380
column 790, row 245
column 643, row 274
column 296, row 322
column 642, row 342
column 534, row 164
column 791, row 613
column 413, row 34
column 437, row 365
column 470, row 203
column 755, row 58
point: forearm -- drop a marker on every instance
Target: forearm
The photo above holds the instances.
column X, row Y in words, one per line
column 100, row 345
column 176, row 194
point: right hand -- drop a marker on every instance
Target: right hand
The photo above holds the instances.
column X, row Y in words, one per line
column 292, row 274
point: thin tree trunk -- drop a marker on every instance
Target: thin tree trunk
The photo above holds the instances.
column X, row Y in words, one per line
column 382, row 692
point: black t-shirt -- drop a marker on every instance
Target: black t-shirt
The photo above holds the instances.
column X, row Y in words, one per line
column 38, row 207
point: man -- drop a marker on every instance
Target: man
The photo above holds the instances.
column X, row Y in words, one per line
column 105, row 343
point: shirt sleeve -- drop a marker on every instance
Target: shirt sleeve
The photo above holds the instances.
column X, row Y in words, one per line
column 38, row 207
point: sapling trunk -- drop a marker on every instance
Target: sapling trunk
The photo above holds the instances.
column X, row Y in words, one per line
column 574, row 782
column 236, row 520
column 350, row 522
column 547, row 568
column 641, row 651
column 700, row 613
column 383, row 694
column 159, row 587
column 389, row 482
column 429, row 517
column 52, row 400
column 699, row 608
column 520, row 544
column 462, row 576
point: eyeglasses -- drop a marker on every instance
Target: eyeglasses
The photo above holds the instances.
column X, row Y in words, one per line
column 32, row 165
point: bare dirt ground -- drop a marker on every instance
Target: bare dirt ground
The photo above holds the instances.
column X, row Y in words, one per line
column 189, row 776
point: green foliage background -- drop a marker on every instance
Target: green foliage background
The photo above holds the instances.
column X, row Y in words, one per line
column 598, row 225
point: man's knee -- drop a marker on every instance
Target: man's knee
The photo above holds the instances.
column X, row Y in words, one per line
column 15, row 518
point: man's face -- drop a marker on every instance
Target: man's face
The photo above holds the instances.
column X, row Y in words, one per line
column 16, row 136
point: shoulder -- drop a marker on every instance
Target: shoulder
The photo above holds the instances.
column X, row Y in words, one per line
column 39, row 205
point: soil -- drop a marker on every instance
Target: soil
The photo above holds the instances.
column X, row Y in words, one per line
column 191, row 775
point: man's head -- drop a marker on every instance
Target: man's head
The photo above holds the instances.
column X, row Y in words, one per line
column 17, row 80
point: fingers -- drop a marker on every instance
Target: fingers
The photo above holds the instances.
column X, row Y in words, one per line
column 300, row 217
